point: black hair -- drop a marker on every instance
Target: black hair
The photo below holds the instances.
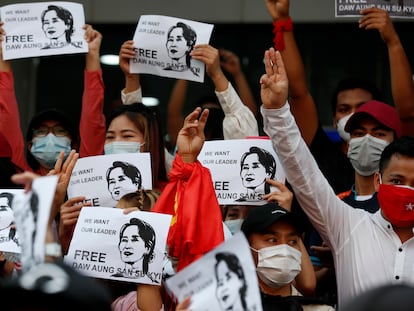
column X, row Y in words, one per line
column 266, row 159
column 131, row 171
column 352, row 83
column 401, row 146
column 64, row 15
column 147, row 234
column 38, row 119
column 233, row 263
column 189, row 35
column 147, row 121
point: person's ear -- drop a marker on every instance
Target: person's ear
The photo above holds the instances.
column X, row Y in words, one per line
column 377, row 180
column 29, row 145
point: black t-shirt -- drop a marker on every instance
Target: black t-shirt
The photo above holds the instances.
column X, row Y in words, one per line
column 289, row 303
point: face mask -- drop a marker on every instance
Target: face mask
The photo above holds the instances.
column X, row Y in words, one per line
column 278, row 265
column 122, row 147
column 365, row 152
column 46, row 149
column 397, row 204
column 234, row 225
column 340, row 127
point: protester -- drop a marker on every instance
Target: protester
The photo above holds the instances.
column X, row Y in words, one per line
column 348, row 96
column 50, row 131
column 347, row 231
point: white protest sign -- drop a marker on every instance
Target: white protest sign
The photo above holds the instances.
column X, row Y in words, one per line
column 104, row 179
column 9, row 237
column 43, row 28
column 395, row 8
column 163, row 45
column 239, row 168
column 126, row 247
column 31, row 214
column 224, row 277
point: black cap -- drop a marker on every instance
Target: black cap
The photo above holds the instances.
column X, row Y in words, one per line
column 261, row 217
column 54, row 286
column 396, row 297
column 52, row 114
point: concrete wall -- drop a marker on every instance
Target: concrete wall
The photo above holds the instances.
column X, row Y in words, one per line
column 219, row 11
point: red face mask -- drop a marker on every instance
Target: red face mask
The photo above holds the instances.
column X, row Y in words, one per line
column 397, row 204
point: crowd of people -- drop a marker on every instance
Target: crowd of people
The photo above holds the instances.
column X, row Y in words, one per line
column 336, row 235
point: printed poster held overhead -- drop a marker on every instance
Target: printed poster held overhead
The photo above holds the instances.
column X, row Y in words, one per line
column 163, row 45
column 43, row 28
column 395, row 8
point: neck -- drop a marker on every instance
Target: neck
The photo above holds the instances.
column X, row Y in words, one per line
column 283, row 291
column 364, row 185
column 404, row 233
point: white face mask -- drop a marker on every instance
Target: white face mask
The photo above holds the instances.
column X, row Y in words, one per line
column 340, row 127
column 365, row 152
column 122, row 147
column 234, row 225
column 278, row 265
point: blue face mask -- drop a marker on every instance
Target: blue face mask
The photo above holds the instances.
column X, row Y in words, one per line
column 234, row 225
column 46, row 149
column 122, row 147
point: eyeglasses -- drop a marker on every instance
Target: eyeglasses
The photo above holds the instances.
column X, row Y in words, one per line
column 57, row 130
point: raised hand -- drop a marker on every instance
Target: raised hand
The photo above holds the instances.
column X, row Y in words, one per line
column 375, row 18
column 93, row 37
column 284, row 197
column 274, row 83
column 230, row 62
column 278, row 9
column 69, row 214
column 4, row 65
column 64, row 171
column 191, row 137
column 126, row 53
column 209, row 56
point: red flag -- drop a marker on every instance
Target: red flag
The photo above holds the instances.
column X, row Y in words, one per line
column 196, row 226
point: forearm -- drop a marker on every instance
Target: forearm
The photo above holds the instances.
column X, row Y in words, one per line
column 239, row 121
column 175, row 109
column 245, row 92
column 92, row 61
column 302, row 103
column 305, row 282
column 10, row 120
column 92, row 122
column 132, row 83
column 402, row 85
column 149, row 297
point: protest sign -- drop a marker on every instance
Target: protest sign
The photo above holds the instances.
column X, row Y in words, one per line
column 163, row 45
column 395, row 8
column 43, row 28
column 239, row 168
column 125, row 247
column 9, row 237
column 31, row 214
column 104, row 179
column 224, row 277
